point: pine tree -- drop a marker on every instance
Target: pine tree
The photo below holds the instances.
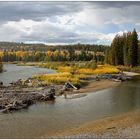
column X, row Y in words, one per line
column 120, row 50
column 139, row 54
column 129, row 49
column 124, row 49
column 134, row 46
column 117, row 50
column 107, row 56
column 113, row 50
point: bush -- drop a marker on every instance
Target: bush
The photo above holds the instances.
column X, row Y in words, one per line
column 92, row 64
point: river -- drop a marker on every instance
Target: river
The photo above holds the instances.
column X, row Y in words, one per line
column 44, row 118
column 13, row 72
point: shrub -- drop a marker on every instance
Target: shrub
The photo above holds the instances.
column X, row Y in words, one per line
column 92, row 64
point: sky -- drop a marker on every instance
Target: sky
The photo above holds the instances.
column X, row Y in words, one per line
column 67, row 22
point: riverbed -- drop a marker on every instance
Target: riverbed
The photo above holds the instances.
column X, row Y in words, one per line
column 50, row 117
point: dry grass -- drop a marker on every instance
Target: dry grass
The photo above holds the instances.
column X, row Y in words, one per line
column 102, row 69
column 65, row 69
column 60, row 78
column 74, row 74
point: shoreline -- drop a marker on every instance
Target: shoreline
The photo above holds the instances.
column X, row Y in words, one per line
column 94, row 86
column 99, row 128
column 120, row 126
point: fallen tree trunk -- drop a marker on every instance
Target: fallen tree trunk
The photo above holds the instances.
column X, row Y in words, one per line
column 11, row 101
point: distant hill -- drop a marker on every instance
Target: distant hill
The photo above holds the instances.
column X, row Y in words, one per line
column 14, row 46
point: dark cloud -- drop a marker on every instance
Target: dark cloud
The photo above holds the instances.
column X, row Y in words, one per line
column 115, row 4
column 14, row 11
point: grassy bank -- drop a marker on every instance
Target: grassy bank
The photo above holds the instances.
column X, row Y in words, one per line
column 60, row 78
column 76, row 73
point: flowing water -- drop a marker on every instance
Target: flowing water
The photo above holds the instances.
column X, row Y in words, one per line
column 44, row 118
column 13, row 72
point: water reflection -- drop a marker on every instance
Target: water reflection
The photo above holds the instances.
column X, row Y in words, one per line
column 44, row 118
column 14, row 72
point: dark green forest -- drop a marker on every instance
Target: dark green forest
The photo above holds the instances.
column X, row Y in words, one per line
column 124, row 50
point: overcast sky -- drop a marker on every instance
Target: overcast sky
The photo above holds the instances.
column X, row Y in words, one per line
column 67, row 22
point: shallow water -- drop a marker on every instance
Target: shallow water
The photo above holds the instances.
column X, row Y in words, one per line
column 14, row 72
column 45, row 118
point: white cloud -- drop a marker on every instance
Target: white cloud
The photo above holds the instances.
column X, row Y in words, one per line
column 91, row 22
column 58, row 32
column 17, row 30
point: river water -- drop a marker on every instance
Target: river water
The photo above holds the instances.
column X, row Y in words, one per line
column 13, row 72
column 45, row 118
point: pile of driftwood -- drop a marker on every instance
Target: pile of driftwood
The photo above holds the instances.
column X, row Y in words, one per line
column 115, row 77
column 11, row 100
column 30, row 82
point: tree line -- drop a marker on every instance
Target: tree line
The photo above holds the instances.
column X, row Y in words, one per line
column 64, row 55
column 11, row 51
column 13, row 46
column 124, row 50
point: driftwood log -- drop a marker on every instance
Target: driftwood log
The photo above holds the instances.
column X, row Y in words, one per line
column 12, row 100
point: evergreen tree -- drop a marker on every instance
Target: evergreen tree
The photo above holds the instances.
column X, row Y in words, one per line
column 128, row 49
column 134, row 55
column 107, row 60
column 124, row 50
column 117, row 50
column 139, row 54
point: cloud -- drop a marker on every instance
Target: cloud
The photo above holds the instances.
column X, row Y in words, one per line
column 49, row 32
column 14, row 11
column 67, row 22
